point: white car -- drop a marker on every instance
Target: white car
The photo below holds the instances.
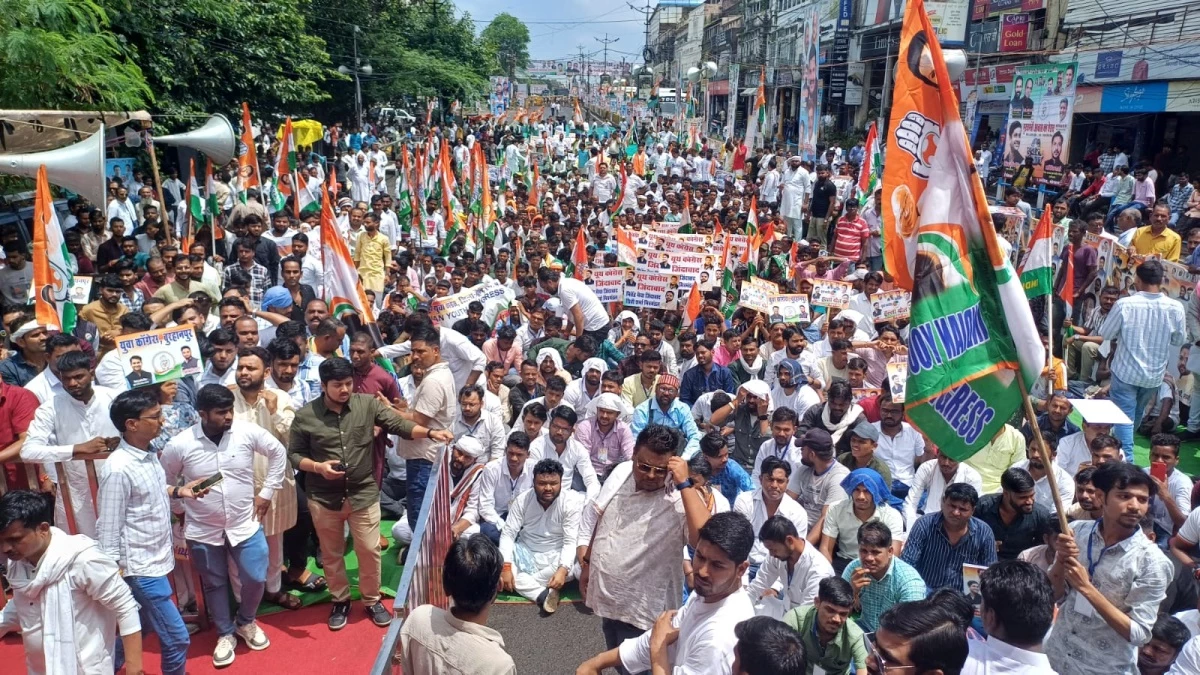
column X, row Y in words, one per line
column 401, row 115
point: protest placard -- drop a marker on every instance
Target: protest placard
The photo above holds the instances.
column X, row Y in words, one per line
column 888, row 305
column 864, row 392
column 159, row 355
column 494, row 297
column 607, row 282
column 789, row 308
column 757, row 293
column 650, row 289
column 897, row 374
column 831, row 293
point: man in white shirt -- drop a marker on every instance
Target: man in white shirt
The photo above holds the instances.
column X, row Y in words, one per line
column 768, row 500
column 539, row 537
column 580, row 392
column 69, row 601
column 1017, row 611
column 47, row 384
column 224, row 526
column 134, row 523
column 1033, row 463
column 559, row 444
column 465, row 361
column 931, row 480
column 791, row 573
column 482, row 425
column 502, row 480
column 70, row 428
column 604, row 185
column 579, row 301
column 121, row 206
column 901, row 447
column 706, row 641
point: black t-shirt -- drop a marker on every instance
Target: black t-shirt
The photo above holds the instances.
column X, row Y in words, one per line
column 1022, row 533
column 823, row 193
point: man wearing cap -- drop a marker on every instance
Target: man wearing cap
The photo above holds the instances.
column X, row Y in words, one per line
column 608, row 439
column 580, row 392
column 540, row 536
column 751, row 411
column 467, row 459
column 864, row 439
column 817, row 483
column 666, row 409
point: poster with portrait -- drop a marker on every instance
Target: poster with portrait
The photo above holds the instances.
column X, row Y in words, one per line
column 889, row 305
column 864, row 392
column 827, row 293
column 607, row 282
column 790, row 308
column 648, row 287
column 756, row 294
column 897, row 376
column 1039, row 122
column 970, row 587
column 809, row 117
column 159, row 355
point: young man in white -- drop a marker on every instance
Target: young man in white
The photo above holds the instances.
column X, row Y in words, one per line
column 559, row 445
column 768, row 500
column 791, row 574
column 501, row 481
column 539, row 537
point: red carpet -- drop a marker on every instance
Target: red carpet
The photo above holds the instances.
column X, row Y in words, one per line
column 301, row 644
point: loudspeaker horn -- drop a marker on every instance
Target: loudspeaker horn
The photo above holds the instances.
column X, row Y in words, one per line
column 78, row 167
column 216, row 139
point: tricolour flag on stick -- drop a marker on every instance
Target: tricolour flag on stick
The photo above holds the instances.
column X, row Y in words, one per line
column 195, row 206
column 758, row 117
column 343, row 288
column 52, row 278
column 579, row 256
column 685, row 215
column 692, row 310
column 752, row 219
column 1038, row 266
column 728, row 284
column 212, row 207
column 868, row 174
column 247, row 154
column 626, row 249
column 972, row 332
column 1066, row 280
column 286, row 165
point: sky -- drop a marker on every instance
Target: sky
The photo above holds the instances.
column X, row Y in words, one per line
column 578, row 22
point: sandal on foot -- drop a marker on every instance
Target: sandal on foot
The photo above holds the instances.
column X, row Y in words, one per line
column 284, row 599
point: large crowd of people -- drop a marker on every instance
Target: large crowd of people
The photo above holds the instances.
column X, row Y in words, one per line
column 730, row 490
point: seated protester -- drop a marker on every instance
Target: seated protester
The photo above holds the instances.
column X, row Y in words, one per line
column 867, row 503
column 539, row 537
column 1014, row 516
column 632, row 364
column 783, row 443
column 556, row 388
column 1058, row 407
column 1110, row 601
column 879, row 578
column 901, row 447
column 558, row 444
column 792, row 388
column 1006, row 448
column 1017, row 609
column 581, row 350
column 482, row 425
column 501, row 481
column 703, row 641
column 1086, row 506
column 1167, row 640
column 923, row 636
column 703, row 408
column 836, row 415
column 1042, row 555
column 550, row 364
column 667, row 410
column 533, row 421
column 836, row 364
column 864, row 438
column 769, row 499
column 524, row 391
column 1106, row 450
column 1043, row 495
column 639, row 388
column 604, row 433
column 1182, row 595
column 1171, row 509
column 586, row 387
column 700, row 473
column 466, row 467
column 457, row 640
column 768, row 647
column 930, row 482
column 750, row 413
column 750, row 365
column 832, row 640
column 789, row 577
column 817, row 483
column 552, row 340
column 1162, row 412
column 941, row 542
column 729, row 477
column 706, row 376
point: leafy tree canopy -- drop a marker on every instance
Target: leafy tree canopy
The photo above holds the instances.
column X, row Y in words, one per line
column 508, row 39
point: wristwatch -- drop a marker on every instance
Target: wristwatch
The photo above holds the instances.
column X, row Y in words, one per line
column 684, row 485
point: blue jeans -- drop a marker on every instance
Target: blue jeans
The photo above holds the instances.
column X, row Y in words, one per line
column 212, row 562
column 1132, row 401
column 160, row 615
column 418, row 471
column 491, row 530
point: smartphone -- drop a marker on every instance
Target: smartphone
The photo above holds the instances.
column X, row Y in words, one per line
column 1159, row 470
column 340, row 466
column 210, row 481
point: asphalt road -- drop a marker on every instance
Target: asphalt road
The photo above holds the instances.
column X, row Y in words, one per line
column 548, row 645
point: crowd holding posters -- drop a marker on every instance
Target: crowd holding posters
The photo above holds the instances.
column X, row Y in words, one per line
column 495, row 298
column 889, row 305
column 650, row 288
column 1039, row 121
column 159, row 355
column 607, row 282
column 831, row 293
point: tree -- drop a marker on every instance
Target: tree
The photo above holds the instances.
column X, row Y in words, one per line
column 508, row 38
column 60, row 54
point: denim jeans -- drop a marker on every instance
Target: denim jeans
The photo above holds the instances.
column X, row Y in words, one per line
column 160, row 615
column 492, row 530
column 212, row 562
column 418, row 479
column 1132, row 401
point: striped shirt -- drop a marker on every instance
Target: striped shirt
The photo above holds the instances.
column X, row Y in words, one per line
column 134, row 523
column 1146, row 327
column 901, row 583
column 940, row 563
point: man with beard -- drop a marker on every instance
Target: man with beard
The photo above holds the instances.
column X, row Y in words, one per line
column 1014, row 516
column 1055, row 419
column 502, row 481
column 706, row 376
column 1038, row 470
column 607, row 437
column 940, row 543
column 832, row 640
column 880, row 579
column 480, row 424
column 667, row 410
column 1052, row 168
column 639, row 387
column 225, row 525
column 836, row 416
column 1014, row 156
column 792, row 562
column 794, row 343
column 655, row 330
column 697, row 638
column 580, row 392
column 750, row 413
column 285, row 364
column 558, row 445
column 769, row 499
column 931, row 480
column 540, row 536
column 749, row 365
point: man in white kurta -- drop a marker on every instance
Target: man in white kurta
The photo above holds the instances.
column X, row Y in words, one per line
column 539, row 537
column 69, row 428
column 359, row 175
column 560, row 445
column 797, row 184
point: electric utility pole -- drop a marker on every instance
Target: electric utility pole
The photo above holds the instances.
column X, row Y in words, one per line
column 606, row 42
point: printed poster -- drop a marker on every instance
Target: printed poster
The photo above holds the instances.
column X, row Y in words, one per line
column 1039, row 121
column 159, row 355
column 81, row 290
column 494, row 297
column 831, row 293
column 789, row 308
column 897, row 374
column 888, row 305
column 607, row 282
column 651, row 289
column 864, row 392
column 757, row 293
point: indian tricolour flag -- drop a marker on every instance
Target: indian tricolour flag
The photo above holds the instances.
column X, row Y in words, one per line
column 626, row 250
column 343, row 289
column 304, row 195
column 52, row 278
column 1037, row 269
column 758, row 119
column 752, row 219
column 868, row 174
column 728, row 284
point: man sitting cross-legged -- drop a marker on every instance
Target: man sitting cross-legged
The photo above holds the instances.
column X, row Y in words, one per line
column 539, row 537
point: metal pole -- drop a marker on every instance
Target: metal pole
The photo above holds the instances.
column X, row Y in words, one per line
column 357, row 83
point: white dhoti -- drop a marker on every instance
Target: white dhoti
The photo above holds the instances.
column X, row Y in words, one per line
column 532, row 570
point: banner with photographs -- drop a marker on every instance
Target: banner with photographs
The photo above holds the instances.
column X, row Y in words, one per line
column 607, row 282
column 834, row 294
column 865, row 392
column 756, row 294
column 809, row 119
column 897, row 376
column 789, row 308
column 494, row 298
column 653, row 289
column 159, row 355
column 889, row 305
column 1039, row 122
column 687, row 257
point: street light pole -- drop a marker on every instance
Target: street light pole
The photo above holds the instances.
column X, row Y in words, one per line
column 359, row 69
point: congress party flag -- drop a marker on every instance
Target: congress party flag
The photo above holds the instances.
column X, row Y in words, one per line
column 868, row 174
column 1037, row 268
column 972, row 332
column 758, row 118
column 343, row 288
column 248, row 154
column 52, row 278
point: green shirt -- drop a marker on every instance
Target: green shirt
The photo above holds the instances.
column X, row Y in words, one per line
column 847, row 460
column 835, row 657
column 321, row 434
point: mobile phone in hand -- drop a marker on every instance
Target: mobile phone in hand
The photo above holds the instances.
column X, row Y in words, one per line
column 340, row 466
column 1159, row 470
column 209, row 482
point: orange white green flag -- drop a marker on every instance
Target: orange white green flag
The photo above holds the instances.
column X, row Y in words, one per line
column 52, row 278
column 343, row 288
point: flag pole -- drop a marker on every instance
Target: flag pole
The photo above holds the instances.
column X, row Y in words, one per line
column 1043, row 452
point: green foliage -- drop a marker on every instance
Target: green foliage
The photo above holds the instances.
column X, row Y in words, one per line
column 508, row 38
column 60, row 54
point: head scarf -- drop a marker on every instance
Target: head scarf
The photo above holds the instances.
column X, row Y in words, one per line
column 637, row 323
column 470, row 446
column 593, row 364
column 608, row 401
column 552, row 354
column 761, row 390
column 870, row 479
column 667, row 380
column 276, row 296
column 793, row 368
column 26, row 329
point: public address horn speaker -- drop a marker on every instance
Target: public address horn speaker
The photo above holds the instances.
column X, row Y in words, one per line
column 78, row 167
column 216, row 139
